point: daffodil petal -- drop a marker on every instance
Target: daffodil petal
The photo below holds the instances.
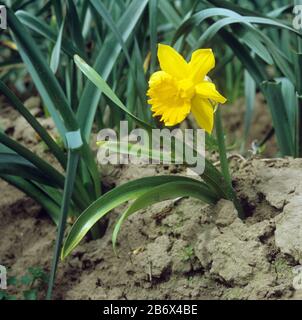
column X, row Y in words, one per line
column 202, row 61
column 203, row 113
column 172, row 62
column 207, row 90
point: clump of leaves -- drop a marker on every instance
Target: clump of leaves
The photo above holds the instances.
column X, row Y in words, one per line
column 30, row 284
column 188, row 252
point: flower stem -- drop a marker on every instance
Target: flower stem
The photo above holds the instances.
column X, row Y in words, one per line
column 225, row 165
column 222, row 149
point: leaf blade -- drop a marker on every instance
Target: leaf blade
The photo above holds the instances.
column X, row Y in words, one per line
column 109, row 201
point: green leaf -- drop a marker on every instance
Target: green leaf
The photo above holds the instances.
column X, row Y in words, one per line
column 297, row 58
column 20, row 4
column 153, row 32
column 174, row 18
column 101, row 9
column 277, row 12
column 98, row 209
column 250, row 95
column 15, row 165
column 53, row 175
column 237, row 8
column 254, row 69
column 232, row 17
column 55, row 56
column 72, row 164
column 132, row 149
column 50, row 91
column 75, row 27
column 280, row 58
column 170, row 190
column 45, row 81
column 58, row 10
column 17, row 104
column 104, row 63
column 273, row 94
column 35, row 193
column 43, row 29
column 210, row 175
column 93, row 76
column 291, row 106
column 255, row 45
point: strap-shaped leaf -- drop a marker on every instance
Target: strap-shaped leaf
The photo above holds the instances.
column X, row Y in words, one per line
column 72, row 164
column 98, row 209
column 43, row 29
column 52, row 174
column 202, row 15
column 153, row 32
column 49, row 89
column 105, row 62
column 105, row 14
column 75, row 27
column 13, row 164
column 164, row 192
column 45, row 81
column 250, row 96
column 56, row 52
column 273, row 94
column 36, row 193
column 93, row 76
column 17, row 104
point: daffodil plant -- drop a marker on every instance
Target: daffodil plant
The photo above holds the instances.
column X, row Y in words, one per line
column 181, row 87
column 174, row 92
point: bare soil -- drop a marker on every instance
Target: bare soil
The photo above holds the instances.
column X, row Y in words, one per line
column 180, row 249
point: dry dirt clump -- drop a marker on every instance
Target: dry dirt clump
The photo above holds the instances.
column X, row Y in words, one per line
column 181, row 249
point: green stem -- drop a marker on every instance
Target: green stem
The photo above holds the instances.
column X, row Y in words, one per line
column 222, row 149
column 72, row 163
column 225, row 164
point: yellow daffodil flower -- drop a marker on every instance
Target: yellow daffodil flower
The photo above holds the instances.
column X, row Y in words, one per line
column 181, row 87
